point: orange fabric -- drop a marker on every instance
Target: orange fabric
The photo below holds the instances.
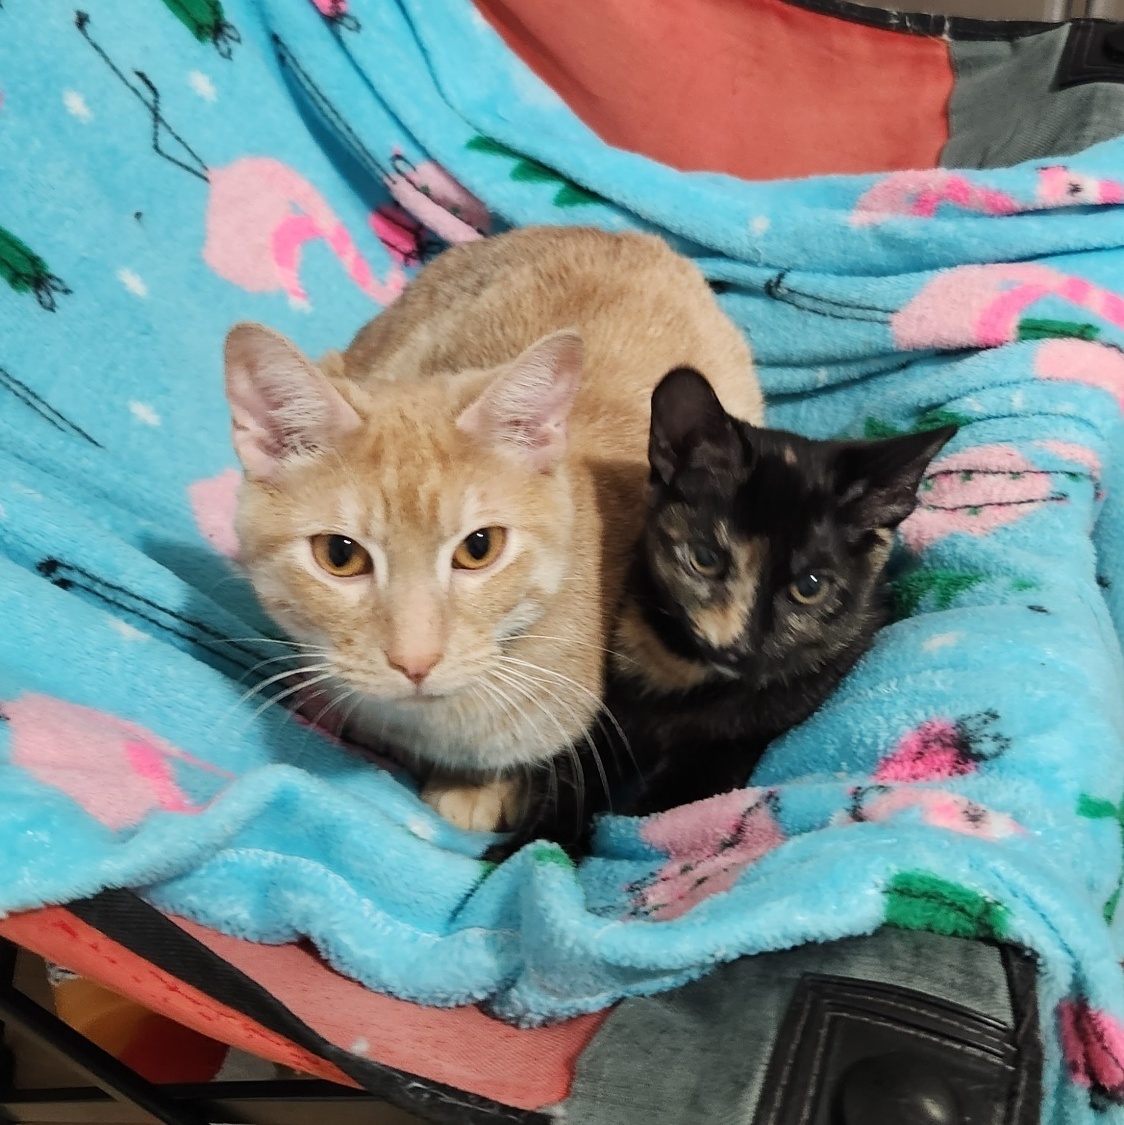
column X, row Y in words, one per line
column 524, row 1067
column 153, row 1045
column 165, row 1051
column 462, row 1047
column 756, row 88
column 104, row 1017
column 57, row 935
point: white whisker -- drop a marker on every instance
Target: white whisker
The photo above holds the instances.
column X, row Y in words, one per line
column 267, row 641
column 274, row 660
column 283, row 675
column 332, row 703
column 564, row 706
column 505, row 700
column 288, row 673
column 276, row 699
column 510, row 678
column 573, row 641
column 579, row 787
column 601, row 709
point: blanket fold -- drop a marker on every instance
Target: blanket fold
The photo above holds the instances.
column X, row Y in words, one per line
column 178, row 167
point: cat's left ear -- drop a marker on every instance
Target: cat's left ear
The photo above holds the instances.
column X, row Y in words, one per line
column 877, row 481
column 689, row 424
column 526, row 408
column 281, row 403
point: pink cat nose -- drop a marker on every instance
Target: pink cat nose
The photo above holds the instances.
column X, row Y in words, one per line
column 415, row 666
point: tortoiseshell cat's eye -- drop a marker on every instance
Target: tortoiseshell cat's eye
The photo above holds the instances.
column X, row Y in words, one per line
column 809, row 588
column 707, row 560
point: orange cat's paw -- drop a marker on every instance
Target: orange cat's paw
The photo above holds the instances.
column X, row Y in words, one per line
column 477, row 808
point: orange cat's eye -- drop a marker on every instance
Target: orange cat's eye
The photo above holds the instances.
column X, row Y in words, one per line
column 480, row 549
column 340, row 556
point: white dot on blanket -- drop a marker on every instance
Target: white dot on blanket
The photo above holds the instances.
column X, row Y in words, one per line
column 144, row 413
column 759, row 224
column 132, row 282
column 76, row 106
column 941, row 640
column 422, row 829
column 126, row 630
column 360, row 1046
column 202, row 85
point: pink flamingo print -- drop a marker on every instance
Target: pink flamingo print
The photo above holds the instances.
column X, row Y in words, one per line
column 214, row 502
column 1079, row 454
column 974, row 492
column 405, row 239
column 980, row 306
column 919, row 194
column 938, row 809
column 437, row 201
column 116, row 771
column 708, row 845
column 931, row 751
column 1059, row 187
column 335, row 11
column 1082, row 361
column 260, row 213
column 1093, row 1045
column 943, row 748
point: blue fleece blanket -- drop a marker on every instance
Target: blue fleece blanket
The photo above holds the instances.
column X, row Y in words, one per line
column 170, row 168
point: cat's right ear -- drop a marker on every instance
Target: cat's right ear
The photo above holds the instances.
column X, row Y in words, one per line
column 281, row 403
column 877, row 481
column 688, row 419
column 525, row 409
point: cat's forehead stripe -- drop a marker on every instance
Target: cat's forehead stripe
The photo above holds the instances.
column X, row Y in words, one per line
column 411, row 491
column 412, row 485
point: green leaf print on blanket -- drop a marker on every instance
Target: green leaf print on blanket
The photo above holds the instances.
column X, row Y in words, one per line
column 26, row 272
column 526, row 170
column 874, row 429
column 937, row 588
column 1031, row 328
column 206, row 20
column 1097, row 808
column 919, row 900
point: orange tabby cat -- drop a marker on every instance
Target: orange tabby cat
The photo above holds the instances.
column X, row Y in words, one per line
column 445, row 511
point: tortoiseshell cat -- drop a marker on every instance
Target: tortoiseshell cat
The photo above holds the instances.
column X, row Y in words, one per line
column 759, row 583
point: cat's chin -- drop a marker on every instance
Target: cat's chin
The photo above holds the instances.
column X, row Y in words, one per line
column 421, row 697
column 453, row 731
